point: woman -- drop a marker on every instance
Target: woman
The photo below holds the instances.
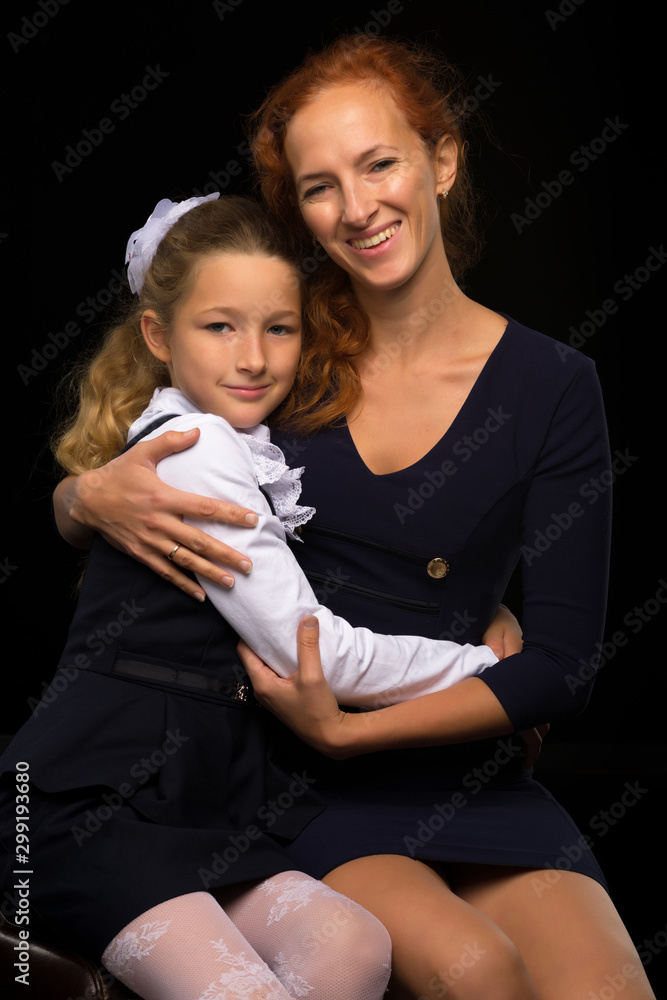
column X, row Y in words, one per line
column 465, row 443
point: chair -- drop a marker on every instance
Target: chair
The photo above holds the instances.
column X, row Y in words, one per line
column 54, row 973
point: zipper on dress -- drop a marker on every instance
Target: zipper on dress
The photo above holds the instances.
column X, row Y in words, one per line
column 406, row 603
column 367, row 543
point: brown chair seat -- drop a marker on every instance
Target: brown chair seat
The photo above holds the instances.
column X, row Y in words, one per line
column 54, row 973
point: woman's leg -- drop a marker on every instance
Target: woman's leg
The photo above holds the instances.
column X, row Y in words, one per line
column 188, row 949
column 442, row 945
column 565, row 927
column 319, row 944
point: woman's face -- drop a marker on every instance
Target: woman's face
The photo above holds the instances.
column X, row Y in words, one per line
column 367, row 186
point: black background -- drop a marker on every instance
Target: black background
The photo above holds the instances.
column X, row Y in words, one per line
column 554, row 75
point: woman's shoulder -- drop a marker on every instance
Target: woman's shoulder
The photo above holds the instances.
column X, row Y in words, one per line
column 529, row 349
column 539, row 370
column 542, row 381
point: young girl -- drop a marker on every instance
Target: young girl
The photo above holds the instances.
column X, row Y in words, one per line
column 156, row 812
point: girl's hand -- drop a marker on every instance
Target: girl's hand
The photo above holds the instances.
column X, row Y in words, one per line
column 504, row 637
column 304, row 701
column 504, row 634
column 129, row 505
column 532, row 742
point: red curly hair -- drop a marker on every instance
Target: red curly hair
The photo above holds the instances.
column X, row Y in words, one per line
column 430, row 95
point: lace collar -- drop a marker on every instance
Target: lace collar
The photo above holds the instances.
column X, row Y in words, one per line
column 282, row 484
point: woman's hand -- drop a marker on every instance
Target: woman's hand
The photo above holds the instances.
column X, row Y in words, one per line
column 135, row 511
column 304, row 701
column 504, row 634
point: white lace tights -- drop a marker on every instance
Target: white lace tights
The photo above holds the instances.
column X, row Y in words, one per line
column 288, row 937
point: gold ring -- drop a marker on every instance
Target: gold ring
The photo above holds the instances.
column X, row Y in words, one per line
column 173, row 552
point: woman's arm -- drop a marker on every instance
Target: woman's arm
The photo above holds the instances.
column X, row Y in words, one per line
column 305, row 702
column 564, row 559
column 307, row 705
column 64, row 507
column 134, row 510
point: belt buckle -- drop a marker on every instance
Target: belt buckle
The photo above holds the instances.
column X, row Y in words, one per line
column 241, row 692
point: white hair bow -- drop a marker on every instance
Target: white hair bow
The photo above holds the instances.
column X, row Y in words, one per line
column 143, row 243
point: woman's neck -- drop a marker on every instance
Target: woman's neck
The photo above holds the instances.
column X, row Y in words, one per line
column 428, row 312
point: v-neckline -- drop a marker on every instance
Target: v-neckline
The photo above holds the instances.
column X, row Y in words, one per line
column 464, row 406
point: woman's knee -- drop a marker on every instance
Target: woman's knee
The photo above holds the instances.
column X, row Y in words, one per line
column 483, row 967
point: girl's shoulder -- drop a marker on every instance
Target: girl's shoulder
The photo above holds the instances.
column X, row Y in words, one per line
column 171, row 410
column 219, row 451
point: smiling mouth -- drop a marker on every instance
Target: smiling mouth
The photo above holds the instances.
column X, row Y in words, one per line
column 374, row 241
column 247, row 390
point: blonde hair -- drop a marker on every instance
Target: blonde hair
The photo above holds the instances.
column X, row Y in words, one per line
column 107, row 393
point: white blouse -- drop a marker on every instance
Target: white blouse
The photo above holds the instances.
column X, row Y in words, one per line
column 364, row 669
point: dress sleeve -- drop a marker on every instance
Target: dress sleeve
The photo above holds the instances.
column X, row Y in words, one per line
column 564, row 561
column 364, row 669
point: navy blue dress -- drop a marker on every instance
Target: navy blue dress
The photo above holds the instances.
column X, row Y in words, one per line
column 150, row 772
column 521, row 476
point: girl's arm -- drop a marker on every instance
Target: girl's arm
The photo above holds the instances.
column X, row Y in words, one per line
column 364, row 668
column 127, row 503
column 134, row 510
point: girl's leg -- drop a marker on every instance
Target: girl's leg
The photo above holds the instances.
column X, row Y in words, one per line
column 319, row 944
column 188, row 949
column 442, row 945
column 565, row 926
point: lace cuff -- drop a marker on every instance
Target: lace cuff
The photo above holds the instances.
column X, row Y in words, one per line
column 282, row 484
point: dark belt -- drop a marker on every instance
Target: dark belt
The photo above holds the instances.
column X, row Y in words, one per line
column 186, row 678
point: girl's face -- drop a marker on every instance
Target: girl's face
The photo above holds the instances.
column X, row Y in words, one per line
column 234, row 344
column 366, row 184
